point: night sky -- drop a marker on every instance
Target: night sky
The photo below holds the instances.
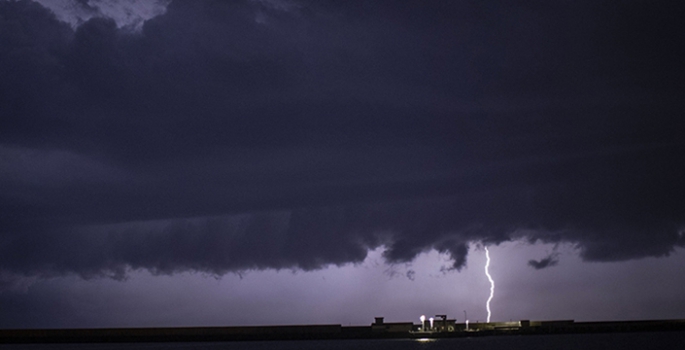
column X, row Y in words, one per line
column 207, row 162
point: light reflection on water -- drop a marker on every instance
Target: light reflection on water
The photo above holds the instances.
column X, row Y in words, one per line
column 624, row 341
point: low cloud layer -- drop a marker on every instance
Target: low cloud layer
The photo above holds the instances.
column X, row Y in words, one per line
column 227, row 136
column 127, row 14
column 548, row 261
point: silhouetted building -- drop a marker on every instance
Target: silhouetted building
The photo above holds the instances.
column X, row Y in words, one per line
column 380, row 326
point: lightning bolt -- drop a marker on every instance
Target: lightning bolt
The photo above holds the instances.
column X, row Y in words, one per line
column 492, row 282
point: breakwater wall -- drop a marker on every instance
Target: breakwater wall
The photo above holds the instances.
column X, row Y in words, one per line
column 312, row 332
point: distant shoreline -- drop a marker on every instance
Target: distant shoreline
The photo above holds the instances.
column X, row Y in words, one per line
column 327, row 332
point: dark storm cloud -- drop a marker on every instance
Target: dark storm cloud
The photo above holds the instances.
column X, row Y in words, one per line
column 548, row 261
column 226, row 136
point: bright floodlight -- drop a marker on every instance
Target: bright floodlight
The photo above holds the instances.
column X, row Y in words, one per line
column 422, row 318
column 431, row 321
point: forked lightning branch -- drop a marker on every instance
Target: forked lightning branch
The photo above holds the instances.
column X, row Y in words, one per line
column 492, row 283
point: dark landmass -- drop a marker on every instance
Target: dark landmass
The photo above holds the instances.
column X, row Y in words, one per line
column 377, row 330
